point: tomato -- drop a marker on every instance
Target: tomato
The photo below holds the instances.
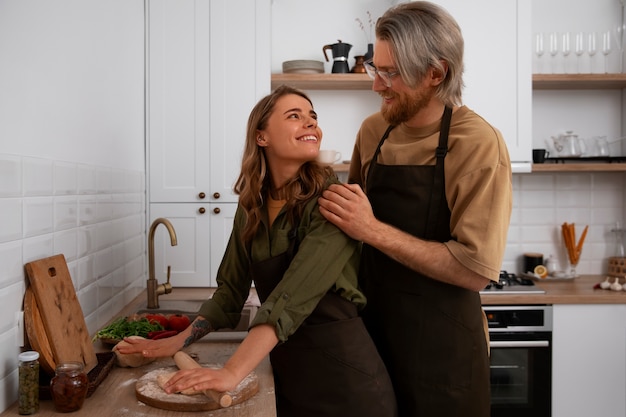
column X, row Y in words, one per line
column 158, row 318
column 179, row 322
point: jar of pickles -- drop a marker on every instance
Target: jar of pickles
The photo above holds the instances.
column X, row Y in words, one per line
column 69, row 386
column 28, row 390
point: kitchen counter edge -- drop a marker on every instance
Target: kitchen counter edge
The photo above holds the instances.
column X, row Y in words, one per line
column 572, row 291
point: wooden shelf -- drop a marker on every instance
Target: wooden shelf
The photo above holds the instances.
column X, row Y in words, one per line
column 582, row 167
column 341, row 167
column 578, row 81
column 323, row 81
column 364, row 82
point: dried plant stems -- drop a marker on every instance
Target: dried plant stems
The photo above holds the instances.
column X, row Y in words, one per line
column 569, row 238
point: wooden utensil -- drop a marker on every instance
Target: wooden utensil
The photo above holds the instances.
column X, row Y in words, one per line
column 184, row 361
column 61, row 314
column 36, row 333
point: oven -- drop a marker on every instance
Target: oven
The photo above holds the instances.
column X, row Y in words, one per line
column 521, row 360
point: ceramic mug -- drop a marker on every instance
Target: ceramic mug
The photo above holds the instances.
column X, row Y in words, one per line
column 540, row 155
column 328, row 157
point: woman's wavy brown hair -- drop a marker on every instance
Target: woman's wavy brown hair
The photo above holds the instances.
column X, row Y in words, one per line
column 254, row 180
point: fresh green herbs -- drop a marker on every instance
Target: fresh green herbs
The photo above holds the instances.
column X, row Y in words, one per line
column 123, row 327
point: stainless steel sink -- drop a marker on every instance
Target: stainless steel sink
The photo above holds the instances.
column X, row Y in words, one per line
column 190, row 308
column 186, row 306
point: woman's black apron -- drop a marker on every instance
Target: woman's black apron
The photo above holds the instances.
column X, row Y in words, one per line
column 329, row 366
column 430, row 334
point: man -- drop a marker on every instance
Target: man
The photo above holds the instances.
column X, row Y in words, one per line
column 433, row 218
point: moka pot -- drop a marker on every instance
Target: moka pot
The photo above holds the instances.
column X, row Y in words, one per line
column 340, row 52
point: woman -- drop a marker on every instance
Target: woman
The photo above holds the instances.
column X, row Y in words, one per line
column 305, row 273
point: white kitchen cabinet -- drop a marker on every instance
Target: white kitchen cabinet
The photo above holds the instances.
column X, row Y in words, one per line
column 208, row 63
column 589, row 361
column 498, row 67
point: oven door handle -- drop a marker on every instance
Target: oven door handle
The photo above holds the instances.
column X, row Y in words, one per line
column 519, row 343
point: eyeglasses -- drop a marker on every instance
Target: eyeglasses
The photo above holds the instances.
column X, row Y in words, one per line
column 372, row 71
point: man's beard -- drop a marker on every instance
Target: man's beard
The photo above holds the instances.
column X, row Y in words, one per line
column 404, row 106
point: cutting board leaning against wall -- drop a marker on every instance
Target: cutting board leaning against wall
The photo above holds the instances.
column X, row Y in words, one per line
column 60, row 312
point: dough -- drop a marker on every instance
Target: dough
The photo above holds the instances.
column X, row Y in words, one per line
column 130, row 360
column 162, row 378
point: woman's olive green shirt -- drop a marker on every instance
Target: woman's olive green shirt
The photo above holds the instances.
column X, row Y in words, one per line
column 327, row 259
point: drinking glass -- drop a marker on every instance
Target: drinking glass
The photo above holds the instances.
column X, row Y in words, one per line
column 565, row 49
column 539, row 49
column 619, row 38
column 592, row 48
column 554, row 47
column 579, row 48
column 606, row 49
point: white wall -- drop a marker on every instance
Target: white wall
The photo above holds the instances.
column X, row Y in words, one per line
column 72, row 176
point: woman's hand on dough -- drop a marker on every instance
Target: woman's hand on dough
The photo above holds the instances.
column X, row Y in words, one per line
column 201, row 379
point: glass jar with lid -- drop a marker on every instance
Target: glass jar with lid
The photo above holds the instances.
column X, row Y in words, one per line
column 69, row 386
column 28, row 387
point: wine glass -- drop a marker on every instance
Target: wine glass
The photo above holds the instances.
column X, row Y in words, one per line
column 619, row 37
column 553, row 47
column 539, row 49
column 566, row 49
column 579, row 48
column 592, row 48
column 606, row 49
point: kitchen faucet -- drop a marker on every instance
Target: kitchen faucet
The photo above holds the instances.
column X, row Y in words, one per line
column 154, row 289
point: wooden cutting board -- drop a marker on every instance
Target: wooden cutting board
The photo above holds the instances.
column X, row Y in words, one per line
column 60, row 312
column 148, row 391
column 37, row 333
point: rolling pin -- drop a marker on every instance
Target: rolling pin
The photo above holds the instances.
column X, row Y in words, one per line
column 184, row 361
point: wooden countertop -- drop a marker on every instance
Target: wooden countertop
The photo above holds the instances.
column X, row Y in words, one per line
column 116, row 395
column 573, row 291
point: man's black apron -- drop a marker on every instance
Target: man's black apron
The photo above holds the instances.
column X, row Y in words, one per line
column 330, row 354
column 430, row 334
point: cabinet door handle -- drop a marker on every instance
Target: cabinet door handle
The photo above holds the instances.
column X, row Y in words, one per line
column 201, row 196
column 201, row 210
column 216, row 195
column 216, row 210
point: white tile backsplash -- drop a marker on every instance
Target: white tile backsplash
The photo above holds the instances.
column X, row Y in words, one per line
column 65, row 181
column 66, row 242
column 38, row 216
column 10, row 302
column 65, row 212
column 11, row 219
column 50, row 207
column 37, row 177
column 86, row 179
column 11, row 261
column 10, row 176
column 542, row 202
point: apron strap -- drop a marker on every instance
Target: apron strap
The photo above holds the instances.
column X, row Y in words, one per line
column 375, row 157
column 438, row 192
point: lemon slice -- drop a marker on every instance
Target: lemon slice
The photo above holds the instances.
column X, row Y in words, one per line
column 541, row 271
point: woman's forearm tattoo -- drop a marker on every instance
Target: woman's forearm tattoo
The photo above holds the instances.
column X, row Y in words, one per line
column 199, row 328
